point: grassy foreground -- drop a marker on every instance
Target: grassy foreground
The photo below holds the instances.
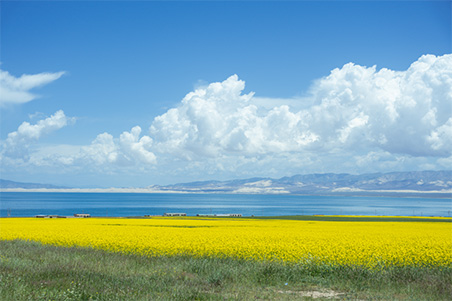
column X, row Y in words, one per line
column 32, row 271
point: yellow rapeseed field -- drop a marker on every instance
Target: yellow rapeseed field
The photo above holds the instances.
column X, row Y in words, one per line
column 370, row 244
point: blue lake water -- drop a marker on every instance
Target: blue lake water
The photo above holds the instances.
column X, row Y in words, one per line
column 20, row 204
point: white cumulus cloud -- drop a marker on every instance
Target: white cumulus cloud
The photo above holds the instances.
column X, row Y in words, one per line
column 16, row 90
column 18, row 142
column 128, row 150
column 355, row 108
column 220, row 120
column 403, row 110
column 356, row 119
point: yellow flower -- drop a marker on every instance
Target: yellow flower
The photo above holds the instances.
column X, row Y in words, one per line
column 370, row 244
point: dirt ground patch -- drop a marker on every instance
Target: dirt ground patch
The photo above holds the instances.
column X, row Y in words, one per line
column 328, row 294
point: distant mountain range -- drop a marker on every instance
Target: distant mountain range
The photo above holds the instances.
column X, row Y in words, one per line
column 408, row 183
column 11, row 184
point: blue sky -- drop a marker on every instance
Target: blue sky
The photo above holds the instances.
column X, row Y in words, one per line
column 102, row 68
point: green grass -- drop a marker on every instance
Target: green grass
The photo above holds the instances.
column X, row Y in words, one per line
column 32, row 271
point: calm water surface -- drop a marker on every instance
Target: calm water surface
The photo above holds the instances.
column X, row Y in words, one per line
column 20, row 204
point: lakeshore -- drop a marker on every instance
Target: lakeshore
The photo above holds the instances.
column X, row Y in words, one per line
column 21, row 204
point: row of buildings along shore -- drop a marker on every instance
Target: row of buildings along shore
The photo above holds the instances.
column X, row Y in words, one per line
column 85, row 215
column 201, row 215
column 78, row 215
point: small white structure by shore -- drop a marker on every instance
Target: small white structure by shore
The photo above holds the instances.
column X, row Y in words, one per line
column 84, row 215
column 175, row 214
column 49, row 216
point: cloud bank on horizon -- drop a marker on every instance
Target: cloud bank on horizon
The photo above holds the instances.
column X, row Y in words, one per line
column 356, row 119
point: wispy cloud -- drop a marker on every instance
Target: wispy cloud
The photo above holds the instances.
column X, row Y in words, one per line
column 16, row 90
